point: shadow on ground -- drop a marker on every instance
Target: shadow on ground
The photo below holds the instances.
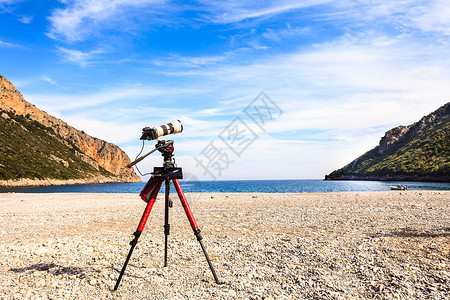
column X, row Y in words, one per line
column 51, row 268
column 413, row 233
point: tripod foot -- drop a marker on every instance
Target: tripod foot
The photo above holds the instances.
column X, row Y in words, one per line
column 199, row 239
column 133, row 243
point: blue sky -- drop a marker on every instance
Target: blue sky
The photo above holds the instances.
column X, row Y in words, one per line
column 341, row 73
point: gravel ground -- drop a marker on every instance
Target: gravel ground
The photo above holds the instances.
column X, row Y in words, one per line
column 381, row 245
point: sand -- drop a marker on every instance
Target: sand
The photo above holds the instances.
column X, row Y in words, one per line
column 358, row 245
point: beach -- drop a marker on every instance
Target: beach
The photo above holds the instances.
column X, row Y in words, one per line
column 349, row 245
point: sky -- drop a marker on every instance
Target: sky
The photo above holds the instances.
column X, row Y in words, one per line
column 264, row 89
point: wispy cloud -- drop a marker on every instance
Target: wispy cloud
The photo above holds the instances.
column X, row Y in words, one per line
column 49, row 80
column 26, row 19
column 177, row 61
column 123, row 131
column 8, row 2
column 9, row 45
column 238, row 11
column 64, row 102
column 8, row 6
column 401, row 15
column 80, row 19
column 81, row 58
column 432, row 16
column 425, row 15
column 286, row 32
column 357, row 75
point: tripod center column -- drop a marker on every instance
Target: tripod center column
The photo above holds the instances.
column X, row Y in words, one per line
column 166, row 218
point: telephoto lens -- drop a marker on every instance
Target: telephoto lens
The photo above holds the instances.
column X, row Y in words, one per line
column 159, row 131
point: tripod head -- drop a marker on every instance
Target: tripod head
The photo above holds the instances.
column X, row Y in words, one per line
column 169, row 169
column 166, row 149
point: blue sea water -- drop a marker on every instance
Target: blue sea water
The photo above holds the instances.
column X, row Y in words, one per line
column 240, row 186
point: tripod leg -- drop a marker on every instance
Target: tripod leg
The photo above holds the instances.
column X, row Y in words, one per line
column 166, row 219
column 140, row 228
column 194, row 226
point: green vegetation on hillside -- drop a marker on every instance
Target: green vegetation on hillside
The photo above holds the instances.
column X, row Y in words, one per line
column 31, row 150
column 423, row 157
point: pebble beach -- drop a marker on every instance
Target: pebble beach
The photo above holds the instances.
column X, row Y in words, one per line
column 350, row 245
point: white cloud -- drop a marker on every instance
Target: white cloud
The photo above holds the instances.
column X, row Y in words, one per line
column 114, row 132
column 425, row 15
column 26, row 19
column 9, row 45
column 237, row 11
column 286, row 32
column 8, row 2
column 271, row 157
column 64, row 102
column 9, row 6
column 402, row 15
column 434, row 16
column 83, row 59
column 49, row 80
column 354, row 84
column 178, row 61
column 80, row 19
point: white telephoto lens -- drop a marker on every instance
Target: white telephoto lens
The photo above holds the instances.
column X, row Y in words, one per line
column 177, row 126
column 170, row 128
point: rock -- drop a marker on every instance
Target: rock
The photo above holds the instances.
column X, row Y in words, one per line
column 94, row 151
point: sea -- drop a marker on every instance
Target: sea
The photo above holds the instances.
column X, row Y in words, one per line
column 241, row 186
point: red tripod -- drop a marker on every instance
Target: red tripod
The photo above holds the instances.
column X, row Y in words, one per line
column 169, row 172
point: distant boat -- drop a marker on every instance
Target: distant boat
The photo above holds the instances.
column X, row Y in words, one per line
column 398, row 187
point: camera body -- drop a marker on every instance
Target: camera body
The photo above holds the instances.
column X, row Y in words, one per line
column 152, row 133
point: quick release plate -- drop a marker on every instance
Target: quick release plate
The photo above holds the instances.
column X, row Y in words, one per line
column 168, row 173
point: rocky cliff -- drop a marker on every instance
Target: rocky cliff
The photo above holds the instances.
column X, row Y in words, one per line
column 418, row 152
column 97, row 153
column 412, row 131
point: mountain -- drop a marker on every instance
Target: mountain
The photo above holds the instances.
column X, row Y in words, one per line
column 39, row 149
column 418, row 152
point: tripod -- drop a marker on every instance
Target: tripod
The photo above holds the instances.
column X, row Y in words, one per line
column 169, row 172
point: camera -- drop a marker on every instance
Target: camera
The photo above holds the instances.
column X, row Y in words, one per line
column 152, row 133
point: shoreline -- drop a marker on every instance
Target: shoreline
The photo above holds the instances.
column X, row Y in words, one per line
column 219, row 195
column 442, row 179
column 352, row 245
column 25, row 182
column 112, row 185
